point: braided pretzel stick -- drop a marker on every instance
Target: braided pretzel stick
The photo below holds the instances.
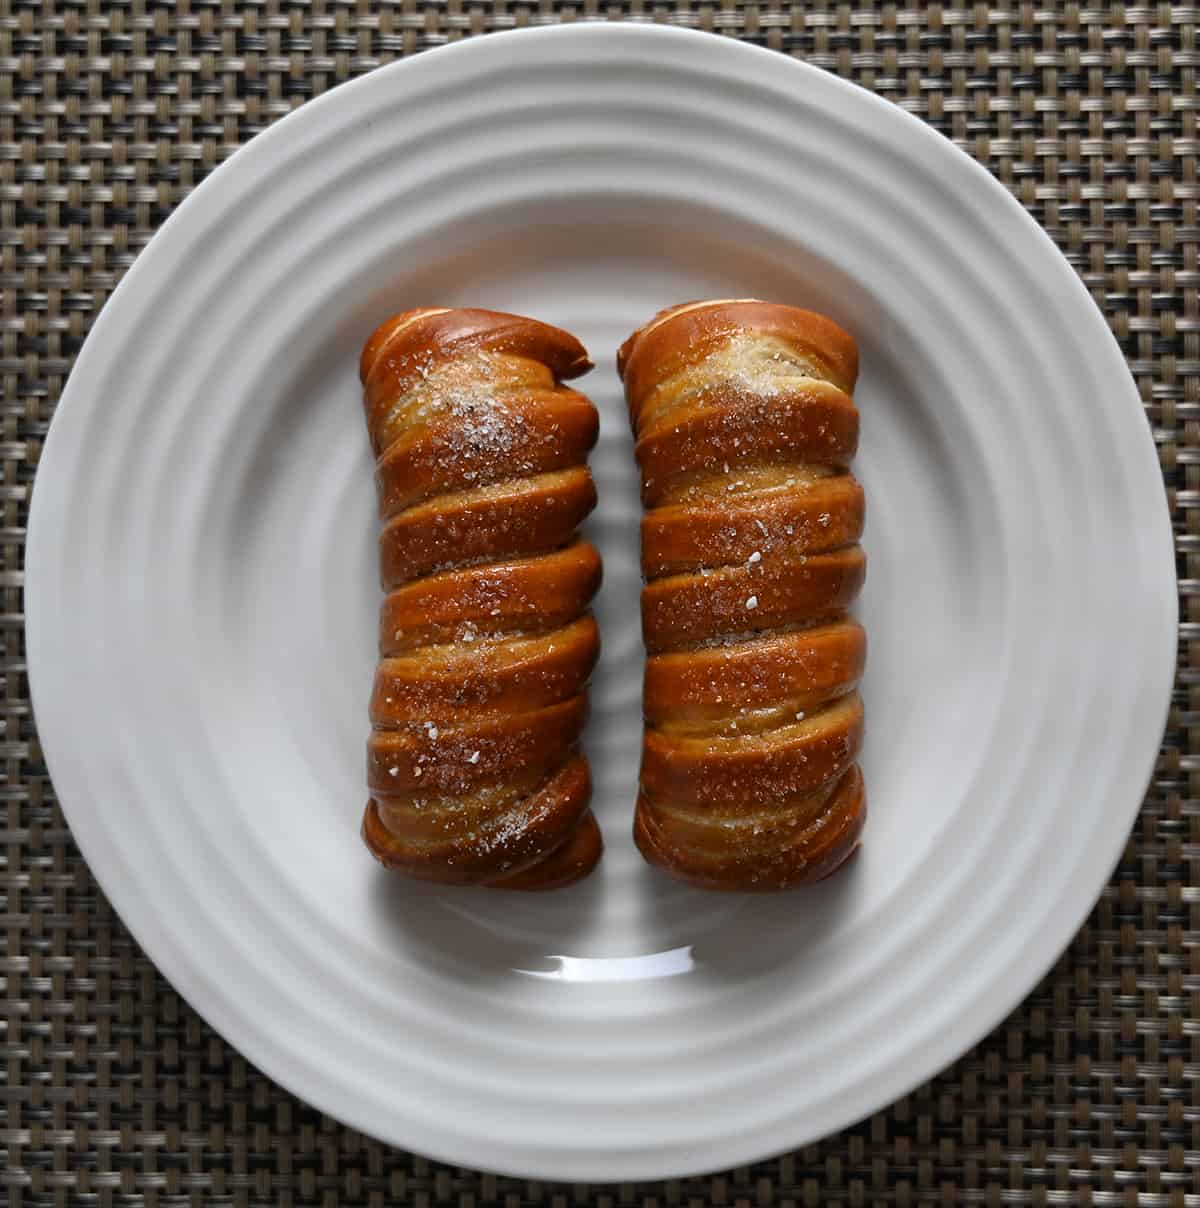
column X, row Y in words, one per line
column 486, row 642
column 745, row 428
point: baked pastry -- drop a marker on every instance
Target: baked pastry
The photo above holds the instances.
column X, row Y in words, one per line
column 745, row 428
column 485, row 638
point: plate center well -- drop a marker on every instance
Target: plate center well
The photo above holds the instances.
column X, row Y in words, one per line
column 304, row 592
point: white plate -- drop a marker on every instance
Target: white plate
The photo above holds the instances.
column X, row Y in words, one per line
column 202, row 593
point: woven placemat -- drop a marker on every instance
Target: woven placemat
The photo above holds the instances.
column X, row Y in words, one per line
column 113, row 1091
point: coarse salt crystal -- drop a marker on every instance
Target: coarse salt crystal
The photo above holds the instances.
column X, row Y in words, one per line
column 752, row 603
column 474, row 757
column 393, row 771
column 755, row 557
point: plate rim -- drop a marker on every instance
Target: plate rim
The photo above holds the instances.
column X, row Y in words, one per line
column 724, row 55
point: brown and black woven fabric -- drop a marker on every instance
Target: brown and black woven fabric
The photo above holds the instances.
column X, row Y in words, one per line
column 112, row 1091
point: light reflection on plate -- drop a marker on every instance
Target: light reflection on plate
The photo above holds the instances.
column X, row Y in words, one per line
column 670, row 963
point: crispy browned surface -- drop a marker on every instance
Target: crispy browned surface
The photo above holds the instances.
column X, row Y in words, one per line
column 783, row 589
column 531, row 594
column 678, row 339
column 725, row 532
column 745, row 428
column 797, row 846
column 511, row 519
column 790, row 672
column 486, row 644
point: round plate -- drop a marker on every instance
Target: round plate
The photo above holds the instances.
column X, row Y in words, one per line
column 202, row 592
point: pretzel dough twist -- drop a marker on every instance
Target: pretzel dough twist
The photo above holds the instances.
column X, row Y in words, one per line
column 485, row 640
column 745, row 428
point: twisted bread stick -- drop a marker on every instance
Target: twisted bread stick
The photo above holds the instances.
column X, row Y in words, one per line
column 745, row 428
column 485, row 640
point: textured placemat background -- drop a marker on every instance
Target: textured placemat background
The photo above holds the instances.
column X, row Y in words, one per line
column 111, row 1090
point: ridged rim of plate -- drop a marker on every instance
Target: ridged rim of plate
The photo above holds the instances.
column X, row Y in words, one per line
column 653, row 74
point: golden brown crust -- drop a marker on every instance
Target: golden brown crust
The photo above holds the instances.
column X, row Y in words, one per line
column 683, row 335
column 757, row 769
column 460, row 450
column 485, row 677
column 823, row 517
column 574, row 858
column 518, row 750
column 784, row 589
column 783, row 854
column 744, row 430
column 526, row 516
column 532, row 595
column 485, row 640
column 519, row 844
column 793, row 672
column 812, row 424
column 409, row 342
